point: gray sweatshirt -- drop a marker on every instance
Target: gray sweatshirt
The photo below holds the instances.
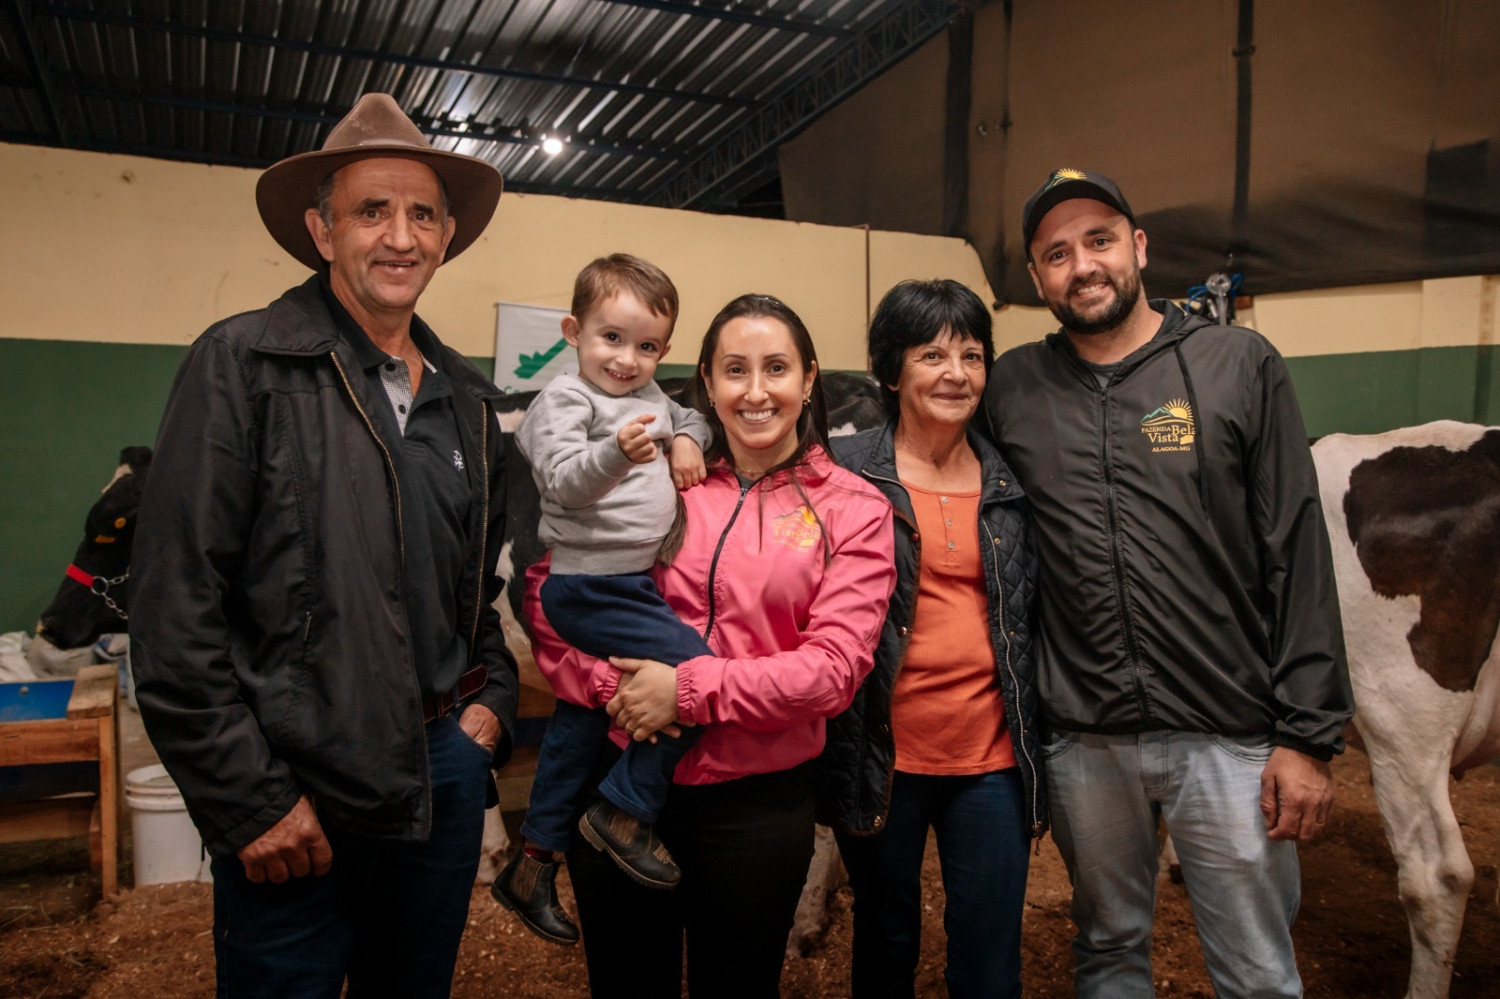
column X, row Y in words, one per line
column 602, row 514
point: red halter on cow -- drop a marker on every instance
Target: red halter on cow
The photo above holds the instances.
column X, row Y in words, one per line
column 91, row 599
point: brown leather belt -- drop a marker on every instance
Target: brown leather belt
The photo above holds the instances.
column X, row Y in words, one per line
column 438, row 705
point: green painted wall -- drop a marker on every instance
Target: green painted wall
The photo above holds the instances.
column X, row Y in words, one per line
column 67, row 410
column 1378, row 391
column 69, row 407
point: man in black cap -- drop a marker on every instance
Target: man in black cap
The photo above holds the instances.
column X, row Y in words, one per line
column 1191, row 665
column 318, row 663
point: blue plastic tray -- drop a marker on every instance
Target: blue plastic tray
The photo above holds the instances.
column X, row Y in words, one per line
column 34, row 700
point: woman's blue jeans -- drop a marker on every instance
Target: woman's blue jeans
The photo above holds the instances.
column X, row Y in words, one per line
column 983, row 848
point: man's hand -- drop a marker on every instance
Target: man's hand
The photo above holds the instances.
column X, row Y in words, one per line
column 1296, row 795
column 291, row 848
column 480, row 724
column 687, row 462
column 635, row 440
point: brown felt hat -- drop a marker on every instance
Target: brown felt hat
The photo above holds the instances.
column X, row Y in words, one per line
column 375, row 127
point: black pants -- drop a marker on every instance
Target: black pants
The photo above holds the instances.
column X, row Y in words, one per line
column 744, row 847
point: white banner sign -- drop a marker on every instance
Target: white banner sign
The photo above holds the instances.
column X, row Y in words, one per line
column 529, row 346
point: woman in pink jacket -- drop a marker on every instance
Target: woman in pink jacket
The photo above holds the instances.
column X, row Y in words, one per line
column 786, row 569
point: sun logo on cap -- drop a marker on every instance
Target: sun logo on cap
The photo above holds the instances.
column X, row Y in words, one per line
column 1066, row 173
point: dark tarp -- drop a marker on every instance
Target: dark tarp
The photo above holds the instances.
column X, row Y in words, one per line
column 1303, row 145
column 878, row 157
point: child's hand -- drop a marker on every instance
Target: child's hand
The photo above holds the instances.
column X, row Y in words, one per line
column 635, row 440
column 687, row 462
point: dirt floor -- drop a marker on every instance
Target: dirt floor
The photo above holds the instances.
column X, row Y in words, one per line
column 1351, row 937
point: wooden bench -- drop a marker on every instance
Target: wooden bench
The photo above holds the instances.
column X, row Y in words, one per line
column 47, row 728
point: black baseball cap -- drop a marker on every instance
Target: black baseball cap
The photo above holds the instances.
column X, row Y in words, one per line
column 1064, row 185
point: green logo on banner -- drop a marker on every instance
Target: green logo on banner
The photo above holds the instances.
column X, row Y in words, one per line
column 532, row 363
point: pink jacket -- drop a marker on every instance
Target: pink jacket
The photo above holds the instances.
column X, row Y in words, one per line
column 794, row 621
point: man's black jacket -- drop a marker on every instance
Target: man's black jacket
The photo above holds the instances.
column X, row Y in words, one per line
column 1187, row 581
column 269, row 640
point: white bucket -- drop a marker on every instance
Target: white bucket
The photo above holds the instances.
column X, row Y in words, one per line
column 166, row 843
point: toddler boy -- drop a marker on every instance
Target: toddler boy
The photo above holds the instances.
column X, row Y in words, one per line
column 608, row 503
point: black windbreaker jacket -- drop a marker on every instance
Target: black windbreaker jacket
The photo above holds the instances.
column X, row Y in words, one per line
column 268, row 635
column 1187, row 581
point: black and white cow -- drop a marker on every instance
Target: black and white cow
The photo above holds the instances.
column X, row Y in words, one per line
column 1414, row 519
column 91, row 599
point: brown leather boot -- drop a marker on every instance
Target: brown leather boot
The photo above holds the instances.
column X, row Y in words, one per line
column 630, row 843
column 528, row 887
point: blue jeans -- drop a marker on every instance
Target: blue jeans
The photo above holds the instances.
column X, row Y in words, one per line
column 983, row 847
column 389, row 915
column 1107, row 795
column 621, row 615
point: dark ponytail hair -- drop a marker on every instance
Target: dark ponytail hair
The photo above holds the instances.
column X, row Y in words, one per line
column 812, row 423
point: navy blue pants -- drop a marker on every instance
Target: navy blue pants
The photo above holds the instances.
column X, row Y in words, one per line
column 621, row 615
column 389, row 915
column 983, row 848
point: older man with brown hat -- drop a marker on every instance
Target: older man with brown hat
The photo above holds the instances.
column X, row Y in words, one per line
column 317, row 659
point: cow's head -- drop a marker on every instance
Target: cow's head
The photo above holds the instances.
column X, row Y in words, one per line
column 91, row 600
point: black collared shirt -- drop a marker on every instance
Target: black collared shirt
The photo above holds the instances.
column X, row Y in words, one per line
column 436, row 490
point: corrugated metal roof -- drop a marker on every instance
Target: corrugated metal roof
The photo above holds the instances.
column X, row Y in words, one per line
column 655, row 101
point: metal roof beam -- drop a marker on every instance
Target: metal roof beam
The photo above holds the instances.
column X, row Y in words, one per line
column 874, row 50
column 729, row 13
column 23, row 16
column 481, row 134
column 255, row 162
column 344, row 52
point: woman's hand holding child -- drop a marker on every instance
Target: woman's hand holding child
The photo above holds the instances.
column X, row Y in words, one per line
column 645, row 702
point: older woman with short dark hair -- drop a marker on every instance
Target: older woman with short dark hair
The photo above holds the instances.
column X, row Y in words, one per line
column 943, row 734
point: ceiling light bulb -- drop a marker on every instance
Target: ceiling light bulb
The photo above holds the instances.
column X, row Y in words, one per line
column 552, row 145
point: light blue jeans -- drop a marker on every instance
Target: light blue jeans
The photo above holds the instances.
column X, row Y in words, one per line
column 1107, row 794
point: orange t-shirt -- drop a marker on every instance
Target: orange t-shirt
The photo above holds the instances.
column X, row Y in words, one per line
column 947, row 711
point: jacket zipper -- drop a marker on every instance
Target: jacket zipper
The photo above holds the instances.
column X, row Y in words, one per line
column 890, row 773
column 1015, row 683
column 484, row 527
column 401, row 552
column 1117, row 569
column 384, row 451
column 713, row 566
